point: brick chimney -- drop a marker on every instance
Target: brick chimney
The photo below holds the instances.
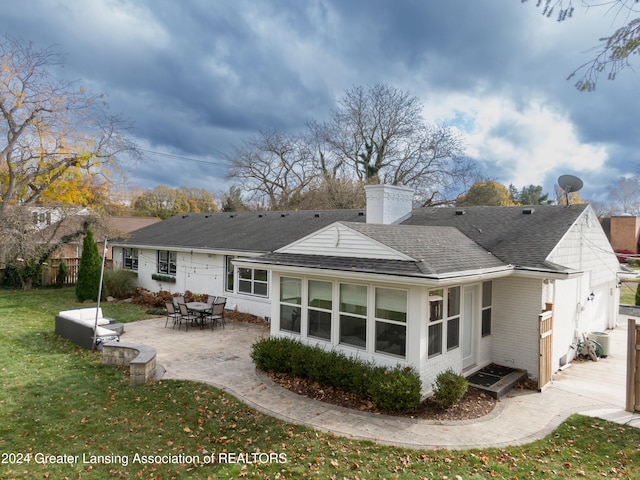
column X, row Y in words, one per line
column 388, row 204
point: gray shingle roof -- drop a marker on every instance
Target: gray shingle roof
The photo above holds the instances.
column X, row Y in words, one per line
column 436, row 250
column 514, row 236
column 242, row 232
column 440, row 240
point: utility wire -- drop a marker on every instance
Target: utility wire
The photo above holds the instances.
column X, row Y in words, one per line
column 181, row 157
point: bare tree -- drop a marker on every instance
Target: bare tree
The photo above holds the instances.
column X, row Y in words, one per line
column 50, row 127
column 274, row 166
column 625, row 196
column 380, row 135
column 52, row 133
column 614, row 51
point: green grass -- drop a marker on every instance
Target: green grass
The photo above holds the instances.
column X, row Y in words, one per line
column 58, row 399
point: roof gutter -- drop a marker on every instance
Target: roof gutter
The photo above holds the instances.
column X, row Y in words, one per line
column 429, row 280
column 546, row 273
column 173, row 248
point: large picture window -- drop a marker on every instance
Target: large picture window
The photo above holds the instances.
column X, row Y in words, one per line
column 391, row 321
column 290, row 304
column 436, row 315
column 253, row 282
column 353, row 315
column 487, row 295
column 167, row 262
column 320, row 305
column 130, row 258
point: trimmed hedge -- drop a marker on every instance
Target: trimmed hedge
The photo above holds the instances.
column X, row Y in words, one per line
column 449, row 388
column 391, row 389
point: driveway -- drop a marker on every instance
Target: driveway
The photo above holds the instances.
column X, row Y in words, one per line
column 222, row 358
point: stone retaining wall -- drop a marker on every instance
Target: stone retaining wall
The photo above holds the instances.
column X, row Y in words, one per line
column 140, row 358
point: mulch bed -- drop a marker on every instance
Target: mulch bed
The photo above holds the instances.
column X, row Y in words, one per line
column 474, row 404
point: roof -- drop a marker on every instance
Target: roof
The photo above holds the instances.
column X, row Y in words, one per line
column 257, row 232
column 440, row 240
column 129, row 224
column 522, row 236
column 433, row 251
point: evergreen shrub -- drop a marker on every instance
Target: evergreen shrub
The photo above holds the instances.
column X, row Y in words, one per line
column 449, row 388
column 63, row 272
column 391, row 389
column 88, row 282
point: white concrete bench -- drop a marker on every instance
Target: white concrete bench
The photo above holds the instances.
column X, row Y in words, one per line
column 141, row 360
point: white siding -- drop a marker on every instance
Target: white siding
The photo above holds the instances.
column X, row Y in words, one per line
column 585, row 248
column 517, row 302
column 340, row 241
column 198, row 273
column 565, row 317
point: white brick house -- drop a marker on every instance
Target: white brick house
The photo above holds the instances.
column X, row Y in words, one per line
column 432, row 288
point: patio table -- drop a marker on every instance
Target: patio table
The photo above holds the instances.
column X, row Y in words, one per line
column 200, row 308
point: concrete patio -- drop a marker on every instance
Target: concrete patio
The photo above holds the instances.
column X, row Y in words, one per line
column 222, row 358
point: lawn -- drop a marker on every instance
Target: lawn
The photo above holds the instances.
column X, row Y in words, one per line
column 65, row 415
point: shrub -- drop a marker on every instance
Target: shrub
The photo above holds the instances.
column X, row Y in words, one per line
column 449, row 388
column 638, row 294
column 144, row 297
column 89, row 270
column 394, row 390
column 119, row 283
column 63, row 272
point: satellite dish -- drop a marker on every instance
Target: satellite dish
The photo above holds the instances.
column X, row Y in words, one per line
column 569, row 183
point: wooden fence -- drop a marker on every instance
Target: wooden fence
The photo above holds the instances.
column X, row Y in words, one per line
column 50, row 271
column 633, row 366
column 545, row 335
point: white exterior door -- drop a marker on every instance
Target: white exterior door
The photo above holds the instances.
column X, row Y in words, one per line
column 468, row 344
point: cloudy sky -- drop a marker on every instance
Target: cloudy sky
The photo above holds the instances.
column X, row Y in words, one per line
column 198, row 76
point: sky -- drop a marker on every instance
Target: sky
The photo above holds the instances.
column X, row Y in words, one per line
column 196, row 77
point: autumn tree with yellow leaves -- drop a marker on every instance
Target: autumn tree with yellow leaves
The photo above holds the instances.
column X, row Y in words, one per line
column 57, row 143
column 486, row 193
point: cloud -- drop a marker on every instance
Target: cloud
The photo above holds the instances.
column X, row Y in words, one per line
column 197, row 77
column 521, row 143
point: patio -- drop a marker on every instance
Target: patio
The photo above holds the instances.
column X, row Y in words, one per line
column 222, row 359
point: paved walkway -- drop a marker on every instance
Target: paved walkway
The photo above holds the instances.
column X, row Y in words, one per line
column 222, row 358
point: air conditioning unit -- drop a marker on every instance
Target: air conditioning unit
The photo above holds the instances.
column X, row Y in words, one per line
column 603, row 339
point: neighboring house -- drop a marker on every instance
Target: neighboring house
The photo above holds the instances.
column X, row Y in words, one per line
column 623, row 232
column 433, row 288
column 111, row 227
column 71, row 251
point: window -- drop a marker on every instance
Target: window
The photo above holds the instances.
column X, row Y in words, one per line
column 319, row 309
column 391, row 321
column 436, row 304
column 453, row 318
column 252, row 282
column 130, row 258
column 229, row 274
column 353, row 315
column 487, row 294
column 290, row 302
column 167, row 262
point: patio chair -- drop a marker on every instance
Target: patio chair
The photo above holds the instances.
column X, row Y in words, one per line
column 211, row 299
column 216, row 315
column 172, row 314
column 178, row 300
column 186, row 316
